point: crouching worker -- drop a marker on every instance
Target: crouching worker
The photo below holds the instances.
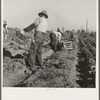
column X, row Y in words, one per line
column 55, row 38
column 40, row 25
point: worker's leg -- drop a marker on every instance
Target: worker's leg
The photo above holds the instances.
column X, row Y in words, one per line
column 56, row 43
column 30, row 60
column 53, row 41
column 39, row 38
column 5, row 36
column 39, row 55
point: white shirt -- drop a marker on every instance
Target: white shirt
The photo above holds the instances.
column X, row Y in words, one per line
column 41, row 24
column 58, row 35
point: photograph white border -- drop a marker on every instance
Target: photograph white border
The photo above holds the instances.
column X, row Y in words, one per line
column 52, row 93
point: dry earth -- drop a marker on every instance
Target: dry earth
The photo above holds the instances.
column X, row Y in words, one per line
column 59, row 67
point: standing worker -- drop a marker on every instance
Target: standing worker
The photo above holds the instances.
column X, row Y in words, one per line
column 63, row 31
column 40, row 25
column 5, row 30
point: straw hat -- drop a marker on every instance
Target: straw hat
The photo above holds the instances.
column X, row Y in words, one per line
column 43, row 13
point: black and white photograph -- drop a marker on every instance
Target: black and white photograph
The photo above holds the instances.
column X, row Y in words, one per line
column 49, row 44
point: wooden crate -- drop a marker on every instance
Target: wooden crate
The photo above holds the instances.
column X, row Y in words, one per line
column 68, row 45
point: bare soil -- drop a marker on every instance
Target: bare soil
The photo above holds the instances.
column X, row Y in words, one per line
column 59, row 67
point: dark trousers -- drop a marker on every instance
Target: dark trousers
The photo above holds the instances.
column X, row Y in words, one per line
column 35, row 50
column 53, row 41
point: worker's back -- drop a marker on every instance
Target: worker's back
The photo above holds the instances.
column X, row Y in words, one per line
column 58, row 35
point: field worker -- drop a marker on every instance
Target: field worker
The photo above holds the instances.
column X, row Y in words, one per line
column 5, row 30
column 55, row 38
column 72, row 33
column 63, row 31
column 59, row 35
column 40, row 25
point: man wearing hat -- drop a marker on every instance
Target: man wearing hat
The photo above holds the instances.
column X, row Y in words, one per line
column 40, row 25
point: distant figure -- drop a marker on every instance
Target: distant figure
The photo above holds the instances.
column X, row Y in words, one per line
column 40, row 25
column 62, row 29
column 58, row 30
column 72, row 33
column 5, row 30
column 55, row 38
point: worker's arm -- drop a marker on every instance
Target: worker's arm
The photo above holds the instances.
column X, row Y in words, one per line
column 27, row 29
column 32, row 26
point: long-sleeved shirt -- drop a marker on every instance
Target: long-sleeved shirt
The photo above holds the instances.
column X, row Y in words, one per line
column 40, row 24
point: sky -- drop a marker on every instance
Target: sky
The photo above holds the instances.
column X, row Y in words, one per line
column 70, row 14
